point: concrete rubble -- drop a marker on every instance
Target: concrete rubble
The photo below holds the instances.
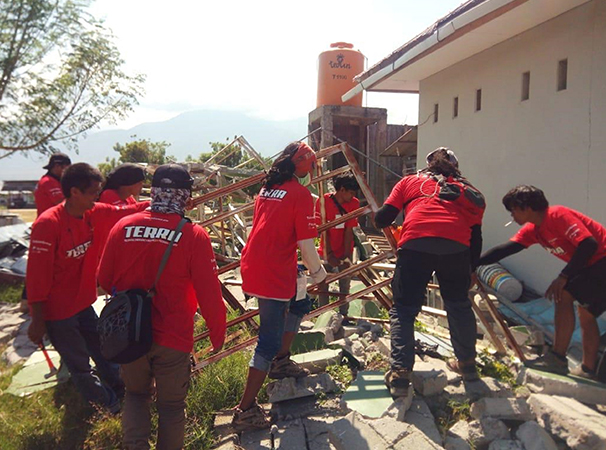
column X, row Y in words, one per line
column 475, row 390
column 513, row 409
column 479, row 433
column 354, row 432
column 398, row 409
column 318, row 360
column 534, row 437
column 583, row 390
column 419, row 415
column 291, row 388
column 580, row 426
column 13, row 333
column 313, row 414
column 427, row 380
column 505, row 444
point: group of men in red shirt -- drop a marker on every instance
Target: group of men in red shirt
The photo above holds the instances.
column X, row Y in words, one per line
column 72, row 251
column 441, row 233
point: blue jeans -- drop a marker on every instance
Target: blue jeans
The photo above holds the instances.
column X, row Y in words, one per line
column 76, row 339
column 277, row 317
column 413, row 271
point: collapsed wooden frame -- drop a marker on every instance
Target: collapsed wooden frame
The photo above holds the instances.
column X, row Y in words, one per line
column 366, row 271
column 374, row 285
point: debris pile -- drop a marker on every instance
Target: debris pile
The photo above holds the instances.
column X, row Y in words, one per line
column 528, row 410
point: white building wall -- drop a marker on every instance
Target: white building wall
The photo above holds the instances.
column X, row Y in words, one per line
column 555, row 140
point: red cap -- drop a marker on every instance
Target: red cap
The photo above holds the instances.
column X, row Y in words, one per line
column 304, row 158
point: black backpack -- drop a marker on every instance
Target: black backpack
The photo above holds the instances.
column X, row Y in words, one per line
column 125, row 323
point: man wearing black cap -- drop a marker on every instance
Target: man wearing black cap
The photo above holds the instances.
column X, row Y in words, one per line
column 188, row 282
column 48, row 191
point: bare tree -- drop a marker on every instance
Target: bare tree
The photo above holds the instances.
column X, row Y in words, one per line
column 60, row 75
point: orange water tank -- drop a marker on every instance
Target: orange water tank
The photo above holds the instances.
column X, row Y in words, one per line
column 336, row 70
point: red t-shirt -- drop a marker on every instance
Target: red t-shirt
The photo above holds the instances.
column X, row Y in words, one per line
column 336, row 235
column 48, row 193
column 429, row 210
column 283, row 215
column 63, row 256
column 111, row 197
column 561, row 232
column 131, row 260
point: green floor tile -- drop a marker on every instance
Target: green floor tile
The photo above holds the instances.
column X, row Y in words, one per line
column 368, row 394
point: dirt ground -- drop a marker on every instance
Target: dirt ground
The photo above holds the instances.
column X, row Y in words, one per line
column 28, row 215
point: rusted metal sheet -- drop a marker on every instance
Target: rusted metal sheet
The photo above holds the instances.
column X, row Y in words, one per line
column 329, row 175
column 352, row 215
column 247, row 182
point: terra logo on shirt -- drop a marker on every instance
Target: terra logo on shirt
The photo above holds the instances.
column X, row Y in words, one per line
column 140, row 232
column 273, row 193
column 555, row 250
column 79, row 250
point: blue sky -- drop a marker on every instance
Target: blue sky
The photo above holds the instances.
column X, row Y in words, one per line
column 255, row 56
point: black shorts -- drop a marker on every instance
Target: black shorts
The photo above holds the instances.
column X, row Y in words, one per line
column 588, row 287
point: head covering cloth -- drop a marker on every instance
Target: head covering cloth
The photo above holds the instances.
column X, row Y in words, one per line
column 125, row 174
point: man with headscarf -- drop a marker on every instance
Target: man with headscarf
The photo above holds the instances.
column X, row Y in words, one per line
column 48, row 191
column 131, row 259
column 123, row 185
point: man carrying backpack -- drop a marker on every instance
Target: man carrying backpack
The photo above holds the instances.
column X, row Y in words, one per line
column 189, row 280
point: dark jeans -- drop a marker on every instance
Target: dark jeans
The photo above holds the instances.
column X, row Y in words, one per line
column 76, row 339
column 413, row 272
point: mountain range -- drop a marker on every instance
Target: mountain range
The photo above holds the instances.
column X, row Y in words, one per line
column 188, row 133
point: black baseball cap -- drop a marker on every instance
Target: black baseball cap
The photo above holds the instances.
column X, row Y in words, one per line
column 172, row 176
column 58, row 158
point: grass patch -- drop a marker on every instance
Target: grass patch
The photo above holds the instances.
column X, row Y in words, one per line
column 341, row 374
column 383, row 313
column 11, row 293
column 218, row 387
column 59, row 419
column 454, row 411
column 490, row 367
column 377, row 361
column 420, row 327
column 55, row 418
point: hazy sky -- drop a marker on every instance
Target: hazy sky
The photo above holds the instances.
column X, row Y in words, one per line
column 255, row 56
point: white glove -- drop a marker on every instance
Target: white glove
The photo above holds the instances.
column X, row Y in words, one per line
column 311, row 259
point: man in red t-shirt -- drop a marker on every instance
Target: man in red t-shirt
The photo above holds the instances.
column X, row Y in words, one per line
column 48, row 192
column 337, row 243
column 188, row 282
column 580, row 242
column 61, row 281
column 441, row 233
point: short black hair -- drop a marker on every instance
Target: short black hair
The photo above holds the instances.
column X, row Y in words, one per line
column 81, row 176
column 525, row 196
column 347, row 181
